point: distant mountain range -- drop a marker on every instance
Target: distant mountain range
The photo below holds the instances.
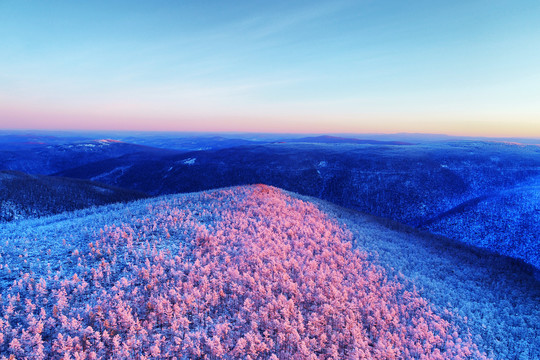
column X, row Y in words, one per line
column 478, row 192
column 325, row 139
column 45, row 158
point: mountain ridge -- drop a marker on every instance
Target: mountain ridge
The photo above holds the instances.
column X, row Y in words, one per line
column 420, row 185
column 498, row 296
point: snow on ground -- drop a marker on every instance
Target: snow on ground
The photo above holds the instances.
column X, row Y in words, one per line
column 116, row 172
column 234, row 273
column 189, row 161
column 249, row 271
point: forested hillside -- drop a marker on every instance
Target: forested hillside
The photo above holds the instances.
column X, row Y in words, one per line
column 46, row 157
column 248, row 272
column 434, row 186
column 25, row 196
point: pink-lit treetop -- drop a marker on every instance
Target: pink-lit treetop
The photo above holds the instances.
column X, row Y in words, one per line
column 245, row 273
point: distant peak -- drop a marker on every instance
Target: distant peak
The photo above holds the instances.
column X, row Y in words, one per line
column 514, row 143
column 108, row 141
column 328, row 139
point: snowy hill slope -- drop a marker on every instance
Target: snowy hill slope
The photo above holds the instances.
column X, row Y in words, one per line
column 498, row 296
column 490, row 219
column 253, row 271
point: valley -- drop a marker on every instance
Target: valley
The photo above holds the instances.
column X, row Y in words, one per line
column 433, row 186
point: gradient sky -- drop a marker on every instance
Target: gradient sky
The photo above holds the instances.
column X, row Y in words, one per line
column 455, row 67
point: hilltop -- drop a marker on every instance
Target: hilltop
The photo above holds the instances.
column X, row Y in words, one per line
column 259, row 272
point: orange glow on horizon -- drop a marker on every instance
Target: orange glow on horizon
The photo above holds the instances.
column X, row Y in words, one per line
column 53, row 119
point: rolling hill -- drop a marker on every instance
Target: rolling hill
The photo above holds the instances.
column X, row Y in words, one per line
column 255, row 272
column 24, row 196
column 435, row 186
column 46, row 158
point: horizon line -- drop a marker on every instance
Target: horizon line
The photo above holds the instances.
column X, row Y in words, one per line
column 329, row 133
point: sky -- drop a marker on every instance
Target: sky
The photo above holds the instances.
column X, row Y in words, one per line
column 454, row 67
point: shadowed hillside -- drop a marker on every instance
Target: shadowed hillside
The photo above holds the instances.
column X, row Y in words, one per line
column 23, row 196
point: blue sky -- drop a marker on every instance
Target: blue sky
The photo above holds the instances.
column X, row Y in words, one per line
column 456, row 67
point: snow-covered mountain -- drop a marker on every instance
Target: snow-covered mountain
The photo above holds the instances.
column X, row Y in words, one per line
column 482, row 193
column 255, row 272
